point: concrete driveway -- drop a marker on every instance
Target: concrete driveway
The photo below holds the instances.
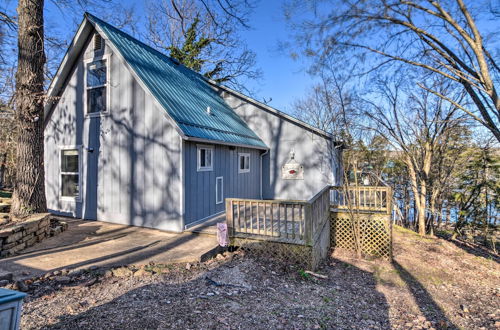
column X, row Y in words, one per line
column 96, row 243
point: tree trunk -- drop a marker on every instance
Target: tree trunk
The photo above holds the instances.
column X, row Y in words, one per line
column 421, row 208
column 29, row 186
column 419, row 189
column 3, row 168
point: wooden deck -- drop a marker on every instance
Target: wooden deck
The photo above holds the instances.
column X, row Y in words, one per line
column 294, row 221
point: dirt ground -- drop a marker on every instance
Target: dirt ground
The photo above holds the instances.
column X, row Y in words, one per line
column 432, row 283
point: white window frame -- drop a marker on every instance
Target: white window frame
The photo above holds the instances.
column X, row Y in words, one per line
column 246, row 156
column 86, row 63
column 217, row 190
column 71, row 198
column 198, row 158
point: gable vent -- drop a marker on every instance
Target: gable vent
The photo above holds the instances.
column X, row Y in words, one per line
column 97, row 42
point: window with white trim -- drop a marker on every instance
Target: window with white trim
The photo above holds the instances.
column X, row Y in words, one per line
column 243, row 163
column 205, row 158
column 97, row 84
column 70, row 173
column 219, row 190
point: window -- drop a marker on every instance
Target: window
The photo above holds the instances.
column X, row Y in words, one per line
column 244, row 163
column 205, row 157
column 96, row 87
column 219, row 190
column 70, row 173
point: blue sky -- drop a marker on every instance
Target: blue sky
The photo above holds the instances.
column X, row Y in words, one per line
column 284, row 79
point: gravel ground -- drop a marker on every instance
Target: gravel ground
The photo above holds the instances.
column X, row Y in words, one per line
column 431, row 284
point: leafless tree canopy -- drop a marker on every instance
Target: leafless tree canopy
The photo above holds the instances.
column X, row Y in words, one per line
column 219, row 21
column 330, row 106
column 451, row 39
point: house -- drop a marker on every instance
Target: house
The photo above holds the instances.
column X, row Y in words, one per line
column 133, row 137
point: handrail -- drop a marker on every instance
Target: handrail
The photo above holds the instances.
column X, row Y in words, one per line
column 287, row 221
column 362, row 198
column 299, row 221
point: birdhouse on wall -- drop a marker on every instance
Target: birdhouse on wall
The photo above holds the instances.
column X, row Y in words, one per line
column 292, row 170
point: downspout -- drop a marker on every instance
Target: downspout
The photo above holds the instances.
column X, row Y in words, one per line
column 261, row 176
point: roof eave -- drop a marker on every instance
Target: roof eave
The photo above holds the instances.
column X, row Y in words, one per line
column 66, row 65
column 209, row 141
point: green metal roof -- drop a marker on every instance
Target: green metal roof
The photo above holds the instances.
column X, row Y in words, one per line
column 183, row 93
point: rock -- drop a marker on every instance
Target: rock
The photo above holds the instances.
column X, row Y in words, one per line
column 220, row 257
column 56, row 273
column 141, row 272
column 122, row 272
column 464, row 308
column 6, row 276
column 21, row 286
column 75, row 272
column 88, row 283
column 108, row 274
column 188, row 266
column 62, row 279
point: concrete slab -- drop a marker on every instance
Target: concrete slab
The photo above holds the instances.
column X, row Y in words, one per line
column 208, row 227
column 95, row 243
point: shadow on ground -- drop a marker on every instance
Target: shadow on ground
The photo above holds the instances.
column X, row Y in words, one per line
column 242, row 293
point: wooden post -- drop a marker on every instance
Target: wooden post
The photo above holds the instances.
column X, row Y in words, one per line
column 229, row 218
column 308, row 237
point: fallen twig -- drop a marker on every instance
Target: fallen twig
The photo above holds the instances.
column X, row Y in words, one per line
column 316, row 274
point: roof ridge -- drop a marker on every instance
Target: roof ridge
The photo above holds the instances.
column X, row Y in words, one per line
column 128, row 35
column 210, row 81
column 183, row 93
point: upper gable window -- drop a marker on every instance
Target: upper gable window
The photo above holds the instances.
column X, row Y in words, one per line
column 97, row 86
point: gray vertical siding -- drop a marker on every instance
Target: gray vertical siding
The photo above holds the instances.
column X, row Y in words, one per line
column 200, row 186
column 133, row 175
column 312, row 150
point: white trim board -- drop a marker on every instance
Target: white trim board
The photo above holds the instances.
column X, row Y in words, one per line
column 197, row 222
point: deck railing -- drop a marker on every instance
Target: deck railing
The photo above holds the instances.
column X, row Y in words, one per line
column 300, row 221
column 286, row 221
column 361, row 198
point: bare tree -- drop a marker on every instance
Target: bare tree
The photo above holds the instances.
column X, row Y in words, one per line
column 29, row 188
column 225, row 58
column 444, row 38
column 416, row 124
column 329, row 105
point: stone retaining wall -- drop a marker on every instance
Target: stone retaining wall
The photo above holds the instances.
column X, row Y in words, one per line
column 16, row 238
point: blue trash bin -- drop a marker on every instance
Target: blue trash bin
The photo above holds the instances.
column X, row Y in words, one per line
column 10, row 309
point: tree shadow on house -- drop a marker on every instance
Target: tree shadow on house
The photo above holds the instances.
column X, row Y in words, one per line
column 243, row 293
